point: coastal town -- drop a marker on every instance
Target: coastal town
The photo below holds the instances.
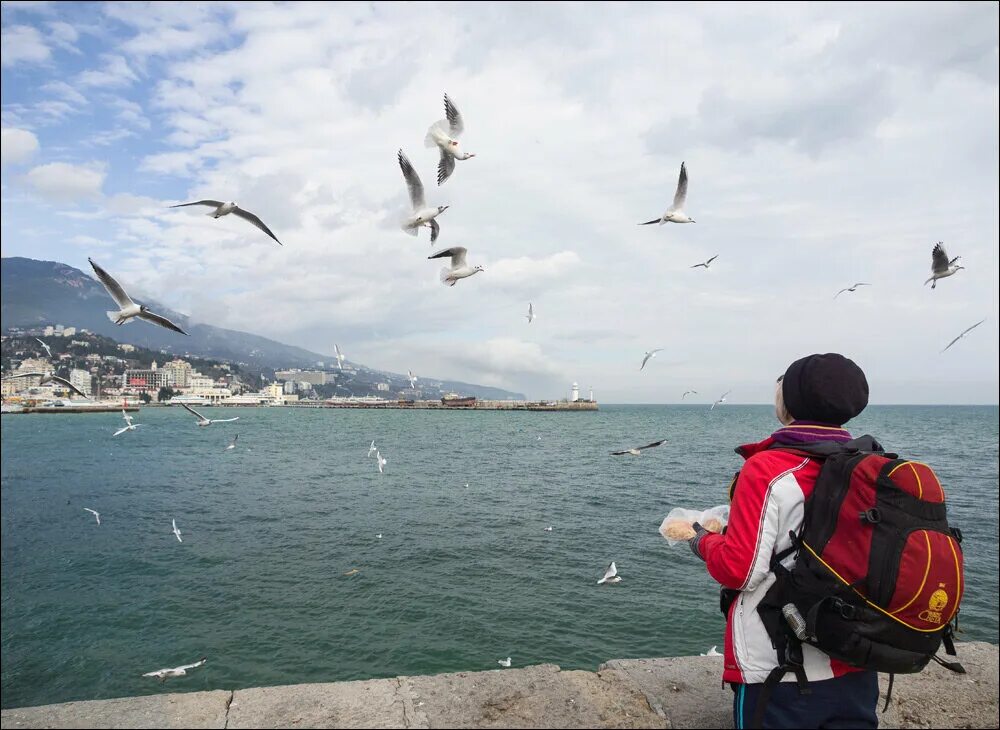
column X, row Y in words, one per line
column 112, row 375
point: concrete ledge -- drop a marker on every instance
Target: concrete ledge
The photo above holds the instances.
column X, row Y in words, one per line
column 679, row 692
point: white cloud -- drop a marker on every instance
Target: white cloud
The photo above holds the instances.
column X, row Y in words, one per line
column 22, row 44
column 18, row 145
column 115, row 72
column 64, row 182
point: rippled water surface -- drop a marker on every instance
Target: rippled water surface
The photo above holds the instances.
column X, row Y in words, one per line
column 463, row 575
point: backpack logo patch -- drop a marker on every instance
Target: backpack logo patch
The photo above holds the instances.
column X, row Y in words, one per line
column 936, row 604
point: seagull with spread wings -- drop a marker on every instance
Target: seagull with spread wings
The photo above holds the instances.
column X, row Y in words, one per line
column 97, row 515
column 610, row 575
column 422, row 215
column 127, row 308
column 412, row 378
column 164, row 674
column 444, row 134
column 941, row 265
column 339, row 357
column 850, row 288
column 47, row 348
column 722, row 399
column 129, row 426
column 675, row 213
column 459, row 269
column 222, row 209
column 636, row 450
column 531, row 313
column 49, row 377
column 203, row 421
column 687, row 393
column 706, row 264
column 176, row 531
column 232, row 444
column 963, row 334
column 649, row 356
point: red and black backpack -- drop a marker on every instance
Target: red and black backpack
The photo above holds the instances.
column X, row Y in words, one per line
column 878, row 576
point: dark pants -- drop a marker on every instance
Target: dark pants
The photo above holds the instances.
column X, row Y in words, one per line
column 845, row 702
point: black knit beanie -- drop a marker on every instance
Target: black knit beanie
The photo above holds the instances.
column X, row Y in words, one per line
column 827, row 388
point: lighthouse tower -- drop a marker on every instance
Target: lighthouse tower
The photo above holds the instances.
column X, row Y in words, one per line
column 575, row 393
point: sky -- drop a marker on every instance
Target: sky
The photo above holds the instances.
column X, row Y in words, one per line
column 825, row 144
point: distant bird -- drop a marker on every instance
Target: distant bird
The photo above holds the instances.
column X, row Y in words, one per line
column 941, row 265
column 372, row 449
column 610, row 575
column 48, row 377
column 421, row 214
column 850, row 288
column 505, row 663
column 352, row 571
column 382, row 461
column 712, row 652
column 412, row 378
column 232, row 445
column 177, row 533
column 635, row 451
column 675, row 213
column 222, row 209
column 649, row 356
column 706, row 264
column 531, row 313
column 97, row 515
column 964, row 334
column 47, row 348
column 459, row 268
column 378, row 536
column 687, row 393
column 129, row 426
column 722, row 399
column 164, row 674
column 547, row 529
column 203, row 421
column 127, row 308
column 444, row 135
column 339, row 357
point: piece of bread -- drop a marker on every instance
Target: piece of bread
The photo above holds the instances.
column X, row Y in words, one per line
column 677, row 530
column 713, row 524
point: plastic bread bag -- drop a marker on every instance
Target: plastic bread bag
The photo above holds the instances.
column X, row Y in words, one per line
column 676, row 526
column 715, row 519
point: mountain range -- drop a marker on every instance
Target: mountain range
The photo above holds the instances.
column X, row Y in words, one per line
column 39, row 293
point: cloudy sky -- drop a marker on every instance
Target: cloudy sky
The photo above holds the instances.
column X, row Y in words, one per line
column 826, row 144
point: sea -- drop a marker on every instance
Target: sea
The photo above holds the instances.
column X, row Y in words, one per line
column 464, row 573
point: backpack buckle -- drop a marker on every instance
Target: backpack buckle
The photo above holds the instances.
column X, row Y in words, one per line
column 957, row 534
column 847, row 611
column 872, row 516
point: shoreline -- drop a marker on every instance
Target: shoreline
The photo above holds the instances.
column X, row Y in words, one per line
column 673, row 692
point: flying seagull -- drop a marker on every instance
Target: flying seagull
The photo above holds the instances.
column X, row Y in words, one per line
column 352, row 571
column 505, row 663
column 339, row 357
column 47, row 349
column 203, row 421
column 459, row 268
column 232, row 445
column 382, row 461
column 706, row 264
column 421, row 215
column 722, row 399
column 712, row 652
column 964, row 333
column 675, row 213
column 222, row 209
column 177, row 532
column 444, row 134
column 941, row 265
column 687, row 393
column 531, row 313
column 48, row 377
column 164, row 674
column 372, row 449
column 649, row 355
column 129, row 426
column 610, row 575
column 635, row 451
column 850, row 288
column 127, row 308
column 97, row 515
column 547, row 529
column 412, row 378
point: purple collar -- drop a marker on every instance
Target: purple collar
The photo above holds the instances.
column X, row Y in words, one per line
column 808, row 432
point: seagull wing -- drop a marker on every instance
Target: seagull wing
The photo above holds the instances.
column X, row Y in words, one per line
column 697, row 265
column 939, row 259
column 413, row 183
column 197, row 664
column 162, row 321
column 25, row 375
column 455, row 123
column 248, row 216
column 840, row 292
column 611, row 572
column 446, row 166
column 127, row 417
column 964, row 334
column 120, row 431
column 211, row 203
column 114, row 288
column 862, row 283
column 193, row 412
column 619, row 453
column 712, row 259
column 435, row 230
column 682, row 189
column 457, row 254
column 225, row 420
column 63, row 381
column 655, row 443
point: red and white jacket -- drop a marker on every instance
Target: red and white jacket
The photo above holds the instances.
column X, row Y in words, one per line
column 767, row 503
